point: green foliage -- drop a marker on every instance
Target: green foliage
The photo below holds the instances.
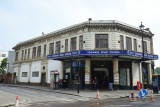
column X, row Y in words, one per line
column 3, row 65
column 157, row 70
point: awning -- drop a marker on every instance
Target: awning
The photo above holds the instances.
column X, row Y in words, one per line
column 103, row 53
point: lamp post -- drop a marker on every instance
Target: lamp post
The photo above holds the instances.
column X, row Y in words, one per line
column 78, row 64
column 141, row 29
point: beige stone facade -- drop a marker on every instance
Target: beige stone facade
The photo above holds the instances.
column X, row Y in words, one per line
column 89, row 31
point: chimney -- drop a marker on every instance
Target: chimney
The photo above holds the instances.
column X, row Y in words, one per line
column 90, row 19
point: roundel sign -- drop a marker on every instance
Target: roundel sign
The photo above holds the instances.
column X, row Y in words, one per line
column 142, row 92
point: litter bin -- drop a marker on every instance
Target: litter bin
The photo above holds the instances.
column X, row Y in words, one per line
column 110, row 86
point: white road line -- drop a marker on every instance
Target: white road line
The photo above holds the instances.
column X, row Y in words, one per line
column 120, row 105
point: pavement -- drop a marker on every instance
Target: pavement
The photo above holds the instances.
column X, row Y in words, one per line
column 90, row 94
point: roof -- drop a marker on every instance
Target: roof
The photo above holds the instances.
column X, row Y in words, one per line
column 81, row 25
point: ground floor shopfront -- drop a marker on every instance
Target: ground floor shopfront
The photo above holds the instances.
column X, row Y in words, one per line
column 106, row 72
column 122, row 68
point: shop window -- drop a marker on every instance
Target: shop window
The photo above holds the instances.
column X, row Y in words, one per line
column 128, row 43
column 135, row 45
column 44, row 54
column 24, row 74
column 58, row 44
column 73, row 44
column 34, row 52
column 35, row 74
column 121, row 42
column 66, row 45
column 102, row 41
column 81, row 42
column 51, row 49
column 39, row 51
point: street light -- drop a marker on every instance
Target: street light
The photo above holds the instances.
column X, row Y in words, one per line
column 141, row 29
column 78, row 65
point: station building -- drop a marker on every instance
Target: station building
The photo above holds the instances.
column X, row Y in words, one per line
column 109, row 50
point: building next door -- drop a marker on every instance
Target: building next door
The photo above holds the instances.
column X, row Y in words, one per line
column 43, row 79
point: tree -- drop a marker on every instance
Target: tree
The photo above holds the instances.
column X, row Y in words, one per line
column 157, row 70
column 3, row 65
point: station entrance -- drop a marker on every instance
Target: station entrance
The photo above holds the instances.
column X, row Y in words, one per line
column 103, row 71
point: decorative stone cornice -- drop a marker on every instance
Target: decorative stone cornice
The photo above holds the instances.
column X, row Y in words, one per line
column 99, row 25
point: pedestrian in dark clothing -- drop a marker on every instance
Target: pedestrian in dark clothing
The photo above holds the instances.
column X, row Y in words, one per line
column 95, row 83
column 58, row 82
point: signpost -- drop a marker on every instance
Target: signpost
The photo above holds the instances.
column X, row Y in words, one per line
column 142, row 93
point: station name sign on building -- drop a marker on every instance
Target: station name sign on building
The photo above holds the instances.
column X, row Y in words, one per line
column 102, row 52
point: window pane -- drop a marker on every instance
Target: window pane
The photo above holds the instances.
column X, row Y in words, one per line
column 121, row 42
column 58, row 47
column 97, row 36
column 66, row 45
column 35, row 74
column 101, row 43
column 73, row 44
column 101, row 36
column 81, row 42
column 105, row 36
column 24, row 74
column 105, row 44
column 97, row 43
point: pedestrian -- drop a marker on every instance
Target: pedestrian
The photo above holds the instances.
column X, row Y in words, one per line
column 58, row 82
column 95, row 83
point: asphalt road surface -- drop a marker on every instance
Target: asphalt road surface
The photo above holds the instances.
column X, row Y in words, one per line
column 37, row 98
column 30, row 97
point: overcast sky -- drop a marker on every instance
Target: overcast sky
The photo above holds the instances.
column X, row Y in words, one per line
column 24, row 19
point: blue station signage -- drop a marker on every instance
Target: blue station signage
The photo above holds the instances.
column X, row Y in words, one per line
column 102, row 52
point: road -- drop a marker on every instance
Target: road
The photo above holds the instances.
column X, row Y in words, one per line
column 38, row 98
column 34, row 97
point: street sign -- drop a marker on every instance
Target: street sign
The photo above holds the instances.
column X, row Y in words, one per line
column 142, row 92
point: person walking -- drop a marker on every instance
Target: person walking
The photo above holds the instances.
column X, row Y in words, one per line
column 95, row 83
column 58, row 82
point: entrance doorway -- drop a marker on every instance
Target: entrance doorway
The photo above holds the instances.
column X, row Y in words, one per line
column 102, row 79
column 43, row 79
column 103, row 71
column 14, row 78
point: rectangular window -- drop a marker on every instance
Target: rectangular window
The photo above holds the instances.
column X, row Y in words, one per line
column 66, row 45
column 34, row 52
column 121, row 42
column 22, row 57
column 35, row 74
column 73, row 44
column 24, row 74
column 25, row 55
column 16, row 59
column 81, row 42
column 28, row 53
column 145, row 46
column 3, row 55
column 128, row 43
column 102, row 41
column 51, row 48
column 58, row 47
column 39, row 51
column 44, row 54
column 135, row 45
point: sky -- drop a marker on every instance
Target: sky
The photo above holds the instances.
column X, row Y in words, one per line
column 21, row 20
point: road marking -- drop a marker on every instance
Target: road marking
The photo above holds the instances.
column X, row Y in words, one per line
column 120, row 105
